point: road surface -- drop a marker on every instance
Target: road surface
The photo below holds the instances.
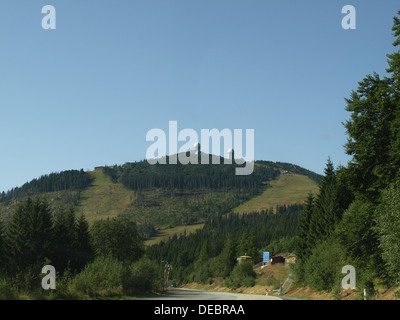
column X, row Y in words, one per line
column 192, row 294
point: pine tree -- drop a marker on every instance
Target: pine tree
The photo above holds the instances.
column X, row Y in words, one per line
column 227, row 259
column 374, row 129
column 83, row 249
column 304, row 244
column 247, row 245
column 64, row 239
column 2, row 249
column 29, row 236
column 326, row 213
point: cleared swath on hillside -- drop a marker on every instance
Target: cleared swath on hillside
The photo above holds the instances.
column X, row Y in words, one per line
column 289, row 188
column 104, row 199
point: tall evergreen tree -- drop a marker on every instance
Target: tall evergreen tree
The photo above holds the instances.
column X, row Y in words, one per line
column 29, row 236
column 303, row 244
column 227, row 259
column 64, row 239
column 326, row 212
column 2, row 249
column 247, row 245
column 374, row 128
column 83, row 249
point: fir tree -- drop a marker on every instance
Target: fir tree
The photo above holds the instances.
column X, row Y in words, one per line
column 83, row 249
column 64, row 236
column 304, row 244
column 227, row 259
column 326, row 213
column 29, row 236
column 2, row 249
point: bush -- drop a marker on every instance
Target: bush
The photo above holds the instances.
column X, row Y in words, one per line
column 107, row 277
column 358, row 235
column 388, row 226
column 29, row 281
column 63, row 291
column 104, row 277
column 323, row 268
column 118, row 238
column 143, row 277
column 242, row 275
column 7, row 290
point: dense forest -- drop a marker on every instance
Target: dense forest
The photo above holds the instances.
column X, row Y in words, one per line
column 355, row 218
column 202, row 256
column 65, row 180
column 142, row 175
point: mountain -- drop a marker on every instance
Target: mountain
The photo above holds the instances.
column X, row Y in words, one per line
column 167, row 199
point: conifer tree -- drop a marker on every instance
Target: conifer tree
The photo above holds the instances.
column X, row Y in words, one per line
column 2, row 251
column 64, row 239
column 374, row 129
column 325, row 213
column 29, row 236
column 227, row 258
column 304, row 245
column 83, row 248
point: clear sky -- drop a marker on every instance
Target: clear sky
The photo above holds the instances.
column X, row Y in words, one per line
column 87, row 93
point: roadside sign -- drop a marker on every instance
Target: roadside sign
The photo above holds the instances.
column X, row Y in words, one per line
column 266, row 256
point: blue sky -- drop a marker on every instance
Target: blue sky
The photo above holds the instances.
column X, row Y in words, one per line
column 87, row 93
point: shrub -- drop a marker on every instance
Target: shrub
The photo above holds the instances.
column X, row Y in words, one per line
column 104, row 277
column 323, row 267
column 242, row 275
column 7, row 290
column 143, row 277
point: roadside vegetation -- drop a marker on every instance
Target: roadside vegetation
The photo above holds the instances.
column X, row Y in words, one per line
column 105, row 260
column 354, row 220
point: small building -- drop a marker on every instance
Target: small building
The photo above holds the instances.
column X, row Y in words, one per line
column 278, row 258
column 290, row 258
column 244, row 258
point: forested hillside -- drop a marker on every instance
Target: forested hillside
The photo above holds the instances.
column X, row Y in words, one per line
column 211, row 252
column 156, row 197
column 66, row 180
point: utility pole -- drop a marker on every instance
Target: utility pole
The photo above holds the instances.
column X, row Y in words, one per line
column 167, row 270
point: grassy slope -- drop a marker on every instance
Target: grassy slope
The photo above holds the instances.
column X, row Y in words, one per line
column 289, row 188
column 165, row 234
column 104, row 198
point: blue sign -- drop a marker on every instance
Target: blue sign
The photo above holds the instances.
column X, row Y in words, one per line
column 266, row 256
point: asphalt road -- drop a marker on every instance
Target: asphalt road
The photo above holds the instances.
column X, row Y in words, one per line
column 191, row 294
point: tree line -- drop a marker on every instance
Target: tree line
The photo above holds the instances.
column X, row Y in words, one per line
column 355, row 219
column 56, row 181
column 141, row 175
column 292, row 168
